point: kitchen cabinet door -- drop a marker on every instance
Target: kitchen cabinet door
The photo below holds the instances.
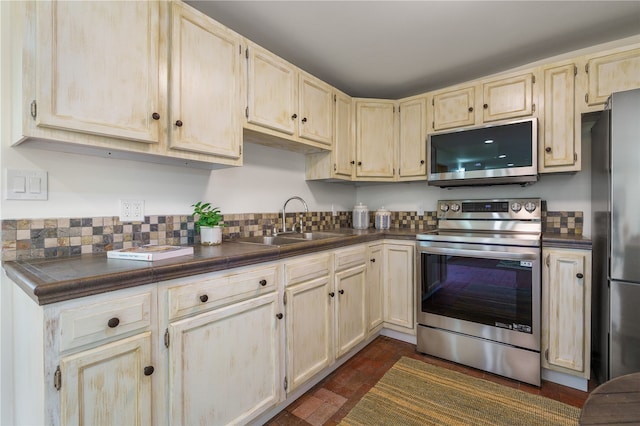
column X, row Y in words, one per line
column 80, row 87
column 399, row 287
column 557, row 142
column 566, row 311
column 109, row 385
column 374, row 291
column 508, row 97
column 309, row 319
column 611, row 73
column 271, row 91
column 351, row 327
column 224, row 365
column 205, row 85
column 375, row 139
column 453, row 108
column 412, row 144
column 315, row 110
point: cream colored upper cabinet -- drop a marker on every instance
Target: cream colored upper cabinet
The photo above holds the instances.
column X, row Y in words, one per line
column 205, row 85
column 316, row 107
column 566, row 311
column 453, row 108
column 271, row 91
column 558, row 138
column 412, row 145
column 507, row 97
column 98, row 69
column 375, row 139
column 110, row 384
column 344, row 147
column 611, row 73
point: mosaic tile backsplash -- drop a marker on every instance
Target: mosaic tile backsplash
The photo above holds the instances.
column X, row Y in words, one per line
column 47, row 238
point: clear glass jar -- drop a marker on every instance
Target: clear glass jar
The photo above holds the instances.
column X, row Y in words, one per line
column 360, row 217
column 383, row 218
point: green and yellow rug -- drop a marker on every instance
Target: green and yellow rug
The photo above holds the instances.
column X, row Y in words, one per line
column 415, row 393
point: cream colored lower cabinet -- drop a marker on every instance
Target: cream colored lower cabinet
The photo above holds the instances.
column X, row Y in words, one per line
column 224, row 364
column 309, row 317
column 351, row 327
column 566, row 311
column 109, row 385
column 374, row 290
column 399, row 286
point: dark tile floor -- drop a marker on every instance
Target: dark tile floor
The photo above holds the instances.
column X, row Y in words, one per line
column 331, row 399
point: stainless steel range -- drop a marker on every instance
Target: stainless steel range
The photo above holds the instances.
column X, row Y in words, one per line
column 479, row 286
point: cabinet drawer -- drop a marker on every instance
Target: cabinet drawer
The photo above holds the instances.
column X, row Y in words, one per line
column 205, row 294
column 350, row 257
column 101, row 321
column 307, row 268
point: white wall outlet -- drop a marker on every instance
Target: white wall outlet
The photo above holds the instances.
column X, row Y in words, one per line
column 420, row 210
column 132, row 210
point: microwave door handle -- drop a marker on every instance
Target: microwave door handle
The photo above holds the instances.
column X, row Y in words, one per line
column 482, row 253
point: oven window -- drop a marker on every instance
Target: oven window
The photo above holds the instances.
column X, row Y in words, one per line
column 486, row 291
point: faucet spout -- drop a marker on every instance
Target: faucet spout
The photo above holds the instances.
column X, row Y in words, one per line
column 284, row 212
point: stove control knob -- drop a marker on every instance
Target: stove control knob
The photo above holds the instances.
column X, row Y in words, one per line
column 444, row 207
column 455, row 207
column 530, row 207
column 516, row 207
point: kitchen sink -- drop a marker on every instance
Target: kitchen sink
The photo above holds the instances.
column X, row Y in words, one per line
column 288, row 238
column 268, row 240
column 318, row 235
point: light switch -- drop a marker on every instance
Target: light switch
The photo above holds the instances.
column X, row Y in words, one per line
column 25, row 185
column 19, row 184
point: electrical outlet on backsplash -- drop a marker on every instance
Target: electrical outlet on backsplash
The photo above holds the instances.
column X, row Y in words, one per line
column 46, row 238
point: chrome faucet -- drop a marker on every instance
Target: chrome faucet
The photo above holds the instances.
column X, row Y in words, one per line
column 284, row 212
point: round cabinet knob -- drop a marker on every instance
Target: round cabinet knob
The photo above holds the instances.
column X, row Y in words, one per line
column 470, row 109
column 485, row 106
column 155, row 116
column 263, row 282
column 421, row 161
column 353, row 162
column 204, row 298
column 547, row 149
column 373, row 260
column 294, row 116
column 516, row 207
column 113, row 322
column 304, row 120
column 579, row 275
column 530, row 207
column 179, row 123
column 359, row 163
column 332, row 294
column 148, row 370
column 455, row 207
column 279, row 316
column 341, row 291
column 444, row 207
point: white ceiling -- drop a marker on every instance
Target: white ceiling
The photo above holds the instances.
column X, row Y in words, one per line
column 394, row 49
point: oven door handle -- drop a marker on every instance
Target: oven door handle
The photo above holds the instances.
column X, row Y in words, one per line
column 482, row 253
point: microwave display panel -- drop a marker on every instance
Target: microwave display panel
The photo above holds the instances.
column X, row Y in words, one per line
column 485, row 148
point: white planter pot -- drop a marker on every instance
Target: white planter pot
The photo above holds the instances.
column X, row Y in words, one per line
column 210, row 236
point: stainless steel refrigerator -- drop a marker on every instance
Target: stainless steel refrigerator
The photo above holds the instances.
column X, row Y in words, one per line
column 615, row 204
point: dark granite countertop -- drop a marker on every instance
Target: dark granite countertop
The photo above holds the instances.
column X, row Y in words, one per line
column 565, row 241
column 54, row 280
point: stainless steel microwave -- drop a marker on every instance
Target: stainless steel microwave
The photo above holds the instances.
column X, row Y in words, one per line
column 499, row 153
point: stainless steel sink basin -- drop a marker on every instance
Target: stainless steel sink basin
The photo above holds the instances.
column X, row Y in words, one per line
column 268, row 240
column 317, row 235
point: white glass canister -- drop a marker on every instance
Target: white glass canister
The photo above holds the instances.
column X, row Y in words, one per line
column 383, row 218
column 360, row 217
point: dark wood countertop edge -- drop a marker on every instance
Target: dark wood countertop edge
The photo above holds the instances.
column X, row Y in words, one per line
column 566, row 241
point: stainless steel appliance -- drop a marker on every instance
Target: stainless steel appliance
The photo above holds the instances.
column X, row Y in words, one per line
column 615, row 174
column 479, row 286
column 497, row 153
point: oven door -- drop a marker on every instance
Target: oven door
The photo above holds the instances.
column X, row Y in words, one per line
column 481, row 290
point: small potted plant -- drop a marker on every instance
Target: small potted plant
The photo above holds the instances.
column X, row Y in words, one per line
column 207, row 220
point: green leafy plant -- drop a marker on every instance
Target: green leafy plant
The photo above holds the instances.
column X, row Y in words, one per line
column 206, row 215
